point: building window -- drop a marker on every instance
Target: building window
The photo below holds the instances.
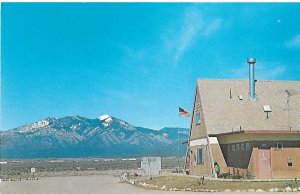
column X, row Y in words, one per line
column 233, row 148
column 200, row 156
column 198, row 118
column 242, row 146
column 247, row 146
column 237, row 147
column 279, row 145
column 229, row 148
column 290, row 162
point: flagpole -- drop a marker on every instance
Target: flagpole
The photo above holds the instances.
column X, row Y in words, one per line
column 182, row 113
column 178, row 150
column 187, row 152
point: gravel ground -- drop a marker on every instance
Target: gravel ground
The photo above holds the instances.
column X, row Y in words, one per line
column 73, row 185
column 91, row 184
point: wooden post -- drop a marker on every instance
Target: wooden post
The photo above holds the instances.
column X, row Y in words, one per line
column 211, row 158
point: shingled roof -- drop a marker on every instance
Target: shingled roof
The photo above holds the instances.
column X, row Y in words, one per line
column 223, row 114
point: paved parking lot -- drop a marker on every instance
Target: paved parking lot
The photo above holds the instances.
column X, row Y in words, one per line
column 72, row 184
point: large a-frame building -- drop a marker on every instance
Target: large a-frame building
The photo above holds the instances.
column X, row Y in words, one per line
column 248, row 127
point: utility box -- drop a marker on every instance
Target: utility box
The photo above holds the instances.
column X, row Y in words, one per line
column 151, row 165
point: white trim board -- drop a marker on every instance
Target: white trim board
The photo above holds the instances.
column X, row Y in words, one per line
column 203, row 141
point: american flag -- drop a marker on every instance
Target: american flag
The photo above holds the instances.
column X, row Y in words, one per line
column 183, row 113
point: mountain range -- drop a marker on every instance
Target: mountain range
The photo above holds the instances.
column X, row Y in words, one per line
column 77, row 136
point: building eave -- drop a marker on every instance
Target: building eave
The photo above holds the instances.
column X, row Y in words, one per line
column 258, row 132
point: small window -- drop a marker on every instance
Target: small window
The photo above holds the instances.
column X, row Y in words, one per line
column 200, row 156
column 229, row 148
column 279, row 145
column 290, row 162
column 198, row 118
column 247, row 146
column 233, row 148
column 263, row 145
column 242, row 146
column 237, row 147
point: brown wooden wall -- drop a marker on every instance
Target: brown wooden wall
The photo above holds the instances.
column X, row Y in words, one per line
column 280, row 168
column 205, row 168
column 218, row 157
column 198, row 131
column 240, row 157
column 278, row 163
column 201, row 169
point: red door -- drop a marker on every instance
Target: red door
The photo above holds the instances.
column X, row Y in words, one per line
column 264, row 163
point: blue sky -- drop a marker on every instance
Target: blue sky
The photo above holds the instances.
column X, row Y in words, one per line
column 136, row 61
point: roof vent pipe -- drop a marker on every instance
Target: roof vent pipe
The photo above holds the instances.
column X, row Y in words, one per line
column 251, row 62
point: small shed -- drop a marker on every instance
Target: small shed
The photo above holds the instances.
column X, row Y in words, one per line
column 151, row 165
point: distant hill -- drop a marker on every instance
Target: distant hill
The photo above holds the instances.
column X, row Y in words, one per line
column 76, row 136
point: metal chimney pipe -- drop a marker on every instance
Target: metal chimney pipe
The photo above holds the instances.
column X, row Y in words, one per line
column 251, row 62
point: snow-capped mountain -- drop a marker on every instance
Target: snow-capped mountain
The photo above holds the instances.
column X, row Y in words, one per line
column 76, row 136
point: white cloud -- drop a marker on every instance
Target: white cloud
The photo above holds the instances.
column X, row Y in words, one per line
column 187, row 31
column 294, row 42
column 177, row 37
column 191, row 26
column 263, row 71
column 212, row 27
